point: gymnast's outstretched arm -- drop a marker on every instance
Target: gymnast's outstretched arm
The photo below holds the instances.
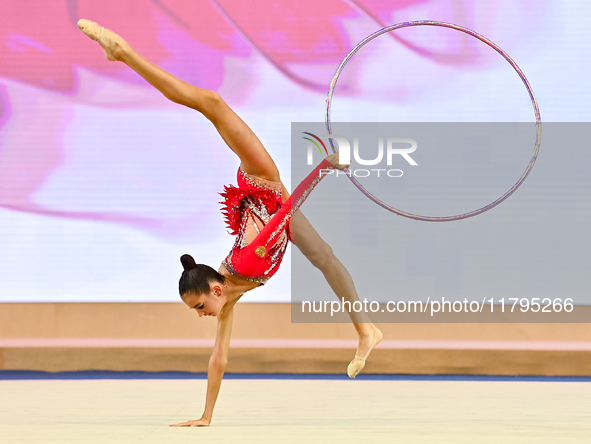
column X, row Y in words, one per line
column 216, row 367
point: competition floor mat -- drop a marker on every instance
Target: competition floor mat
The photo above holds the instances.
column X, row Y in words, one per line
column 134, row 407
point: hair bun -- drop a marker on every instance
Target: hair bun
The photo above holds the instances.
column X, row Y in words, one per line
column 188, row 262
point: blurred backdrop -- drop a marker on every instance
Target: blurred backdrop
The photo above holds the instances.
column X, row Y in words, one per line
column 104, row 183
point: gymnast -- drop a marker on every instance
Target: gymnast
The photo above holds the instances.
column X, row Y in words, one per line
column 260, row 212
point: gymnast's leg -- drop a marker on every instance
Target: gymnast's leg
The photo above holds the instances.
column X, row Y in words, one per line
column 320, row 254
column 238, row 136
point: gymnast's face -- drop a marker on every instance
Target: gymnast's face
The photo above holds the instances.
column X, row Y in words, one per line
column 207, row 304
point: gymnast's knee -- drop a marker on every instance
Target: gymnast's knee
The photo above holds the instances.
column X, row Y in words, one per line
column 206, row 102
column 321, row 257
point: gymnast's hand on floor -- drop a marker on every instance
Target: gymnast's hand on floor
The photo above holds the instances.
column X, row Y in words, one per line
column 334, row 160
column 203, row 422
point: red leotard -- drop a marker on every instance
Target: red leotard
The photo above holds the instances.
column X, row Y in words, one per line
column 254, row 212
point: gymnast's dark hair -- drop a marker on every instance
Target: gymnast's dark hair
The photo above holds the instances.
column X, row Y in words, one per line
column 197, row 277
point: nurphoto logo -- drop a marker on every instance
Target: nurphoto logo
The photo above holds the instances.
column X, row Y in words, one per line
column 393, row 147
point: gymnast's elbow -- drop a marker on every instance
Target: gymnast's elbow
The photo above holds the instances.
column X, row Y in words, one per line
column 218, row 361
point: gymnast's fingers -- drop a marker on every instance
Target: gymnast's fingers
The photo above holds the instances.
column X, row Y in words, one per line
column 182, row 424
column 198, row 423
column 334, row 160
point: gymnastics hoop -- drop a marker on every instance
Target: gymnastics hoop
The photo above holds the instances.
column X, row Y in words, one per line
column 489, row 43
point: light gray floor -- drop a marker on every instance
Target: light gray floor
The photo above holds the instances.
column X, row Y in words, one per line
column 277, row 411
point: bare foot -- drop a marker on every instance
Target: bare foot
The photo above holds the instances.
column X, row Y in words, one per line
column 112, row 44
column 367, row 341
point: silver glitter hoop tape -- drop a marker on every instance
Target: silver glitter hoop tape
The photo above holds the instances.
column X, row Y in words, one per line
column 369, row 38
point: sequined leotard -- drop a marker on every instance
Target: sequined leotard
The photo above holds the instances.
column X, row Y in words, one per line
column 255, row 213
